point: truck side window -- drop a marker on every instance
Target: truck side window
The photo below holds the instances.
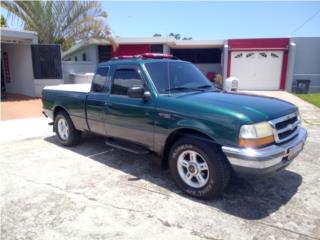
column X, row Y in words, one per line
column 99, row 79
column 125, row 79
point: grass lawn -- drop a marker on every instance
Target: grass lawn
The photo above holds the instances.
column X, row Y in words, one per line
column 313, row 98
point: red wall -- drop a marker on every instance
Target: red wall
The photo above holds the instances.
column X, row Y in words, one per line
column 131, row 49
column 261, row 44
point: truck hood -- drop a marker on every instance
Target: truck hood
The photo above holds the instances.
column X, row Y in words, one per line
column 251, row 108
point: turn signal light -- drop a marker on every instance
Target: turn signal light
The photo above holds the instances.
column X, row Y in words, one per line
column 253, row 143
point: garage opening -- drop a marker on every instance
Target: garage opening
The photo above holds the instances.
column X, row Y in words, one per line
column 259, row 64
column 208, row 60
column 257, row 70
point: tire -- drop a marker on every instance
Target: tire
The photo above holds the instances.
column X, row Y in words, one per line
column 207, row 156
column 68, row 135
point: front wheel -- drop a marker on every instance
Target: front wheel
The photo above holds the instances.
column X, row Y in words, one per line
column 199, row 168
column 67, row 134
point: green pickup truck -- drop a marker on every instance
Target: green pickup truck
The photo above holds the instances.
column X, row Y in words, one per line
column 156, row 104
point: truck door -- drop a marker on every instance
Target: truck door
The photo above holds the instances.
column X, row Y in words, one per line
column 96, row 101
column 130, row 118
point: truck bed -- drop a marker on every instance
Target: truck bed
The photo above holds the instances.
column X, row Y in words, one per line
column 71, row 97
column 83, row 88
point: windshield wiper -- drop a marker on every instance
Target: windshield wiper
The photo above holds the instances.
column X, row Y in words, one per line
column 205, row 86
column 213, row 88
column 183, row 88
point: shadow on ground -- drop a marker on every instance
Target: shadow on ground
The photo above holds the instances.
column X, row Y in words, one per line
column 254, row 199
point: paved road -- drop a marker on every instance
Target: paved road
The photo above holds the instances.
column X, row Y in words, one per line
column 95, row 192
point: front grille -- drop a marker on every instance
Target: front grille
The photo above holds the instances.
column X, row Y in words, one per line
column 285, row 123
column 286, row 127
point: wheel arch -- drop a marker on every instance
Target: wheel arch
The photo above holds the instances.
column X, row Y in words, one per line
column 179, row 133
column 57, row 109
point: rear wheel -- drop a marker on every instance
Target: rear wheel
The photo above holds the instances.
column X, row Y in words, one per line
column 67, row 134
column 199, row 169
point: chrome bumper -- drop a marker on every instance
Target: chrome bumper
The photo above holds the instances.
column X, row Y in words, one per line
column 267, row 160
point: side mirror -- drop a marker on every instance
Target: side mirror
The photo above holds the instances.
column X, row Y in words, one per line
column 138, row 92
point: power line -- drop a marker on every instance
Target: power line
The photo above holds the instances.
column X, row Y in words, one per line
column 305, row 22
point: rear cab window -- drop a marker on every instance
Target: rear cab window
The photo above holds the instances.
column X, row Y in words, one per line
column 100, row 79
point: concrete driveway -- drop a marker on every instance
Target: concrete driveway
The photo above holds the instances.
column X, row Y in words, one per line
column 95, row 192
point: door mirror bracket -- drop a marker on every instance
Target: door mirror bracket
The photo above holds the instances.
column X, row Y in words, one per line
column 139, row 92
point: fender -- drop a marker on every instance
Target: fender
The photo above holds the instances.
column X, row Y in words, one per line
column 182, row 125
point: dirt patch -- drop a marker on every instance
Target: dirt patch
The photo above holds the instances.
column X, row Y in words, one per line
column 17, row 106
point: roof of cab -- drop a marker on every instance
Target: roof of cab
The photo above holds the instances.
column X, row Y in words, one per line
column 140, row 59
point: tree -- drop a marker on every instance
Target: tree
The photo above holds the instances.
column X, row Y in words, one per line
column 176, row 36
column 3, row 22
column 61, row 22
column 157, row 35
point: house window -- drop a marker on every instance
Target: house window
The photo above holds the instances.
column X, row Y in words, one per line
column 238, row 55
column 201, row 55
column 75, row 58
column 156, row 48
column 249, row 55
column 46, row 61
column 104, row 53
column 263, row 55
column 100, row 79
column 84, row 57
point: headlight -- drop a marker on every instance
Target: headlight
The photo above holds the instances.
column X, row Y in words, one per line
column 299, row 116
column 256, row 135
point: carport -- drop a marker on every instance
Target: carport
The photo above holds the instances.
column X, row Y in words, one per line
column 206, row 55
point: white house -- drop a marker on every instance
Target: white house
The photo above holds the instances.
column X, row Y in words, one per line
column 26, row 66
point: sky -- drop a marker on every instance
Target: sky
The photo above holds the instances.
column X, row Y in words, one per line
column 212, row 20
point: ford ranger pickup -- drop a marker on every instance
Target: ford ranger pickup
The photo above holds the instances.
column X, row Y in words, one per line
column 156, row 104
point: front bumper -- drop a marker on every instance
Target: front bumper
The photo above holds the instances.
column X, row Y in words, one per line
column 265, row 161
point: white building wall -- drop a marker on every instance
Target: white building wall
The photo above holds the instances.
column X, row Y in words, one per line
column 166, row 49
column 307, row 62
column 71, row 67
column 90, row 51
column 21, row 71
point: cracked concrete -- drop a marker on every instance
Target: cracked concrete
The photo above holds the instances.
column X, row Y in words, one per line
column 95, row 192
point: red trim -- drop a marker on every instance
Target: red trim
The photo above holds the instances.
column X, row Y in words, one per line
column 258, row 49
column 258, row 43
column 6, row 67
column 284, row 71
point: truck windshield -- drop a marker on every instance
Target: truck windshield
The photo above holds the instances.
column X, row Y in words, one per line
column 177, row 76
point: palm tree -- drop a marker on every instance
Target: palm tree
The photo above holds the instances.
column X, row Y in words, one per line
column 61, row 22
column 3, row 22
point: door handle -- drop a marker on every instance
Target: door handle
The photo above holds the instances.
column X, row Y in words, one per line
column 108, row 104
